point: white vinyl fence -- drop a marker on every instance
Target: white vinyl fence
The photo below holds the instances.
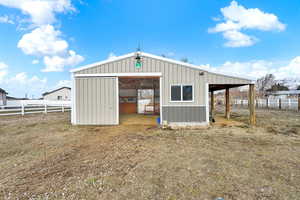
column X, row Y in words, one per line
column 23, row 107
column 281, row 104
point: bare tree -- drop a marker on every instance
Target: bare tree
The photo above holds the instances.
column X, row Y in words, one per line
column 278, row 87
column 265, row 83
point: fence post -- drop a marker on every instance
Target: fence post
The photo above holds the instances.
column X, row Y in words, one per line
column 45, row 108
column 22, row 109
column 267, row 102
column 242, row 103
column 279, row 104
column 62, row 108
column 299, row 102
column 256, row 102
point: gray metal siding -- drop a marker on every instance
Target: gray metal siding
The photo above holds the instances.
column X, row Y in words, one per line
column 184, row 113
column 212, row 78
column 96, row 101
column 171, row 74
column 155, row 65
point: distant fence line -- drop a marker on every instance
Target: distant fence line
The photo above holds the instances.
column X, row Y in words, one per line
column 279, row 104
column 23, row 107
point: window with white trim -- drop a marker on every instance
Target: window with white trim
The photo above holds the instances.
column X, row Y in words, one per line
column 182, row 93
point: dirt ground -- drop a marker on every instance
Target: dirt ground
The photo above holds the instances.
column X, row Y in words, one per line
column 44, row 157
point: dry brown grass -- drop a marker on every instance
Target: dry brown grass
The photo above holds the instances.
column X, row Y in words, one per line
column 44, row 157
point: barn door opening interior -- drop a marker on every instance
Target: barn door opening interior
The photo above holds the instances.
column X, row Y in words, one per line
column 139, row 95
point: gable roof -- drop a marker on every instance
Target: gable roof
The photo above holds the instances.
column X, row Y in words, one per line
column 162, row 59
column 3, row 91
column 16, row 98
column 46, row 93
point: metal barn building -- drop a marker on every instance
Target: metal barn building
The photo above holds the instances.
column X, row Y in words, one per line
column 105, row 90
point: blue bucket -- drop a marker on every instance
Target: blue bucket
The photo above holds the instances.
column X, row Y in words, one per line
column 158, row 120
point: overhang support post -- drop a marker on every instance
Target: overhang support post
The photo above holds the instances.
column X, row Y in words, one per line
column 252, row 117
column 227, row 104
column 299, row 102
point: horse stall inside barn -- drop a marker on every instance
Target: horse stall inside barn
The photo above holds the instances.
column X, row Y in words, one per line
column 139, row 96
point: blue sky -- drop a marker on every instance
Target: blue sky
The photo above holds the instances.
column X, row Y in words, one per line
column 41, row 40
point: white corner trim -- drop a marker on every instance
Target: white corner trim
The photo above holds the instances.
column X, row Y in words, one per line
column 73, row 101
column 162, row 59
column 206, row 102
column 141, row 74
column 117, row 100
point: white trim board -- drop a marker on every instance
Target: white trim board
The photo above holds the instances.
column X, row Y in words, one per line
column 162, row 59
column 206, row 102
column 183, row 105
column 158, row 74
column 117, row 99
column 73, row 100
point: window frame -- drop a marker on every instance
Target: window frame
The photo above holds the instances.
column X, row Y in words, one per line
column 181, row 93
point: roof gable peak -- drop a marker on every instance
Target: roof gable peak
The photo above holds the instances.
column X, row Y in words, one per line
column 144, row 54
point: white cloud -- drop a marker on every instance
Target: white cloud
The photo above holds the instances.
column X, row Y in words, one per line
column 6, row 20
column 43, row 40
column 252, row 18
column 22, row 78
column 3, row 71
column 3, row 66
column 238, row 39
column 41, row 12
column 111, row 55
column 34, row 62
column 22, row 84
column 63, row 83
column 238, row 18
column 292, row 70
column 253, row 69
column 258, row 68
column 57, row 63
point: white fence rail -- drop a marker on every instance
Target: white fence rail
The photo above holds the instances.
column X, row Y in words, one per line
column 23, row 107
column 280, row 104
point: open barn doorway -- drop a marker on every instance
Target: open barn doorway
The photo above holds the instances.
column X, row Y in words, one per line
column 139, row 100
